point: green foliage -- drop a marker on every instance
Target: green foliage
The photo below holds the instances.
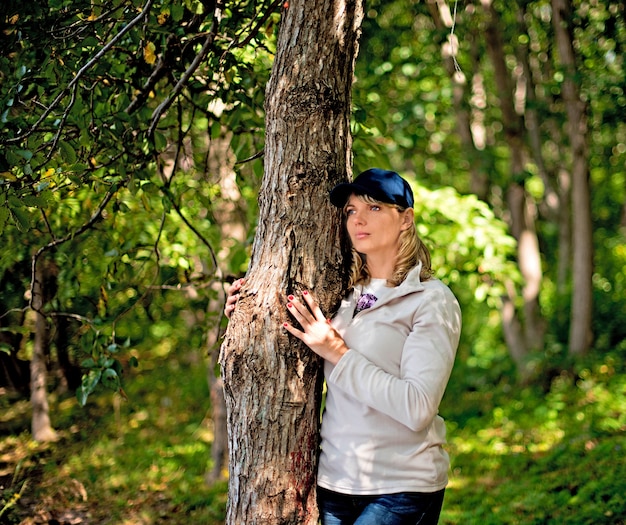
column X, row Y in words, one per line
column 472, row 248
column 113, row 177
column 137, row 459
column 522, row 456
column 403, row 106
column 519, row 455
column 473, row 253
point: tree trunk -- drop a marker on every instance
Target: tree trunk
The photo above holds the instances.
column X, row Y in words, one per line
column 520, row 207
column 580, row 336
column 41, row 428
column 443, row 19
column 271, row 381
column 69, row 374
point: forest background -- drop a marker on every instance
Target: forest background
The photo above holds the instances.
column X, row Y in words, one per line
column 130, row 162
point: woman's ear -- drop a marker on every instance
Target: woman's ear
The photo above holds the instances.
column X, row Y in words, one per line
column 408, row 216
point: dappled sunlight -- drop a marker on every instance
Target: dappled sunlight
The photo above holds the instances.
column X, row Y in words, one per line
column 530, row 456
column 128, row 460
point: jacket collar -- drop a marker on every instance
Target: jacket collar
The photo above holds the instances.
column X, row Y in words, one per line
column 412, row 283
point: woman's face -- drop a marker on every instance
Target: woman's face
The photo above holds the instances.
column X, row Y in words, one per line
column 374, row 229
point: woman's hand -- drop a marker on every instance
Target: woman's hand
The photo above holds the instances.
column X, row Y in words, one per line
column 233, row 296
column 317, row 332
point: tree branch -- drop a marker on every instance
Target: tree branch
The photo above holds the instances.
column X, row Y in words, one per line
column 163, row 106
column 157, row 74
column 56, row 242
column 78, row 76
column 256, row 28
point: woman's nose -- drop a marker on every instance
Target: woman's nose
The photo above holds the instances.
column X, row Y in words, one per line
column 357, row 218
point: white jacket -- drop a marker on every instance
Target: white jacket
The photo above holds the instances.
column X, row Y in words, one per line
column 381, row 432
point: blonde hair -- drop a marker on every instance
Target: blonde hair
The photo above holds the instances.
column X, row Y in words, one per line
column 410, row 252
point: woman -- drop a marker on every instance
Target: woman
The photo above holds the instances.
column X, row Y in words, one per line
column 388, row 353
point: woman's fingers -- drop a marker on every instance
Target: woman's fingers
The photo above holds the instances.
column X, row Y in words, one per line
column 299, row 311
column 317, row 332
column 233, row 296
column 305, row 313
column 313, row 305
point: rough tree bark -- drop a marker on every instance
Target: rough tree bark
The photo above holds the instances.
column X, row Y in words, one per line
column 580, row 336
column 271, row 382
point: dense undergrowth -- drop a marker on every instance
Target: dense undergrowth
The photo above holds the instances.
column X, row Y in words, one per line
column 519, row 455
column 531, row 456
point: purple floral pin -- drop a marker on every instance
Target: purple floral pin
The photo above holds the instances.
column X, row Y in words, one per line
column 365, row 301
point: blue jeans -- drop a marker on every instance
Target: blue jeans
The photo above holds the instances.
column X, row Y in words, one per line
column 404, row 508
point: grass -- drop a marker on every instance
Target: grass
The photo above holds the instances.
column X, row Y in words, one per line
column 519, row 455
column 541, row 458
column 142, row 460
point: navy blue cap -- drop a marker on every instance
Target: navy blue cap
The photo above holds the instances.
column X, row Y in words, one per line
column 382, row 185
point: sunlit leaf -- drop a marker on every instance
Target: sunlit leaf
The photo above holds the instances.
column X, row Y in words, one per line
column 148, row 53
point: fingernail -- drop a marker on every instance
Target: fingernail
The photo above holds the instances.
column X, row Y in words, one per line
column 305, row 292
column 285, row 325
column 290, row 297
column 289, row 305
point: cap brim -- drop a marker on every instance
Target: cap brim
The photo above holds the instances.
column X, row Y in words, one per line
column 340, row 193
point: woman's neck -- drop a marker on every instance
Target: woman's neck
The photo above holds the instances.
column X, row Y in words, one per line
column 380, row 268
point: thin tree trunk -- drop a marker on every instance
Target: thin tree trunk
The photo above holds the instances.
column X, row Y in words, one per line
column 41, row 428
column 512, row 331
column 271, row 381
column 556, row 200
column 532, row 120
column 564, row 263
column 443, row 19
column 520, row 207
column 580, row 336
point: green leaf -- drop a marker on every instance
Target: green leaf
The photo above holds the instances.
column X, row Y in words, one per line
column 77, row 168
column 215, row 129
column 105, row 362
column 25, row 154
column 21, row 218
column 110, row 379
column 177, row 11
column 34, row 201
column 68, row 154
column 4, row 215
column 160, row 142
column 15, row 202
column 88, row 385
column 88, row 363
column 82, row 395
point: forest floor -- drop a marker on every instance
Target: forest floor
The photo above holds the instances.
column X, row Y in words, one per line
column 519, row 455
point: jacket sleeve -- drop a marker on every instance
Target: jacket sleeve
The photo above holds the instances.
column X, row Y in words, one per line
column 427, row 358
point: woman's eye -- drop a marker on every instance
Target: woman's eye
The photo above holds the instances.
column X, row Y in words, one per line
column 349, row 212
column 374, row 207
